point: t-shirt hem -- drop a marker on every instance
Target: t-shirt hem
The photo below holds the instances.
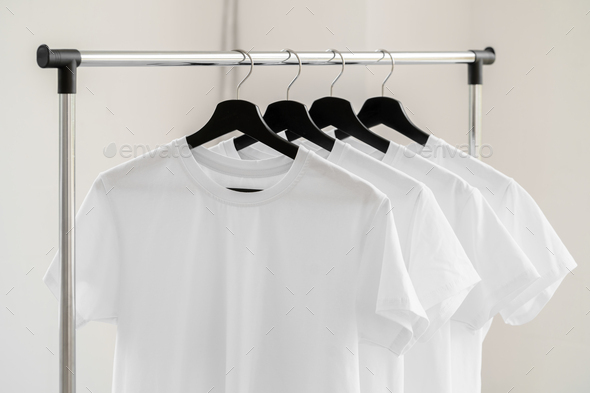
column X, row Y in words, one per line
column 452, row 302
column 499, row 298
column 515, row 315
column 411, row 327
column 449, row 290
column 539, row 303
column 404, row 338
column 54, row 288
column 399, row 345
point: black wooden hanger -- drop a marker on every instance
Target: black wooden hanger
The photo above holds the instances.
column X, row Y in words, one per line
column 243, row 116
column 293, row 117
column 338, row 112
column 389, row 112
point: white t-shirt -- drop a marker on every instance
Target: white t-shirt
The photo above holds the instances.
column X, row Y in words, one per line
column 437, row 264
column 529, row 227
column 267, row 291
column 504, row 268
column 523, row 218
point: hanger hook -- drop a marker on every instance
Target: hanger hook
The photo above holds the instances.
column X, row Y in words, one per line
column 298, row 72
column 244, row 53
column 334, row 51
column 390, row 72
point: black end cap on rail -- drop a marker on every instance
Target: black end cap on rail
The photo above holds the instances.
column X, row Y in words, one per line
column 475, row 69
column 66, row 61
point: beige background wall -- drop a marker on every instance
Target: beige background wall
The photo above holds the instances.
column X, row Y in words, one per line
column 537, row 122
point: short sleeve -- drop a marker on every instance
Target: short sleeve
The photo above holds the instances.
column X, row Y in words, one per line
column 440, row 270
column 534, row 234
column 389, row 313
column 97, row 260
column 504, row 269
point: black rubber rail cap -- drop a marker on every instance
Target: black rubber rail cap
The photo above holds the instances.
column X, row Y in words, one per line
column 57, row 58
column 475, row 69
column 488, row 55
column 66, row 61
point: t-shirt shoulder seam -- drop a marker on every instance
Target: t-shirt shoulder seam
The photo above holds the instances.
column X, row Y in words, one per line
column 100, row 177
column 472, row 191
column 384, row 200
column 422, row 189
column 510, row 184
column 138, row 163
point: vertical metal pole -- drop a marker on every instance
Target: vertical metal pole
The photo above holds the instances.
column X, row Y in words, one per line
column 67, row 206
column 475, row 80
column 475, row 119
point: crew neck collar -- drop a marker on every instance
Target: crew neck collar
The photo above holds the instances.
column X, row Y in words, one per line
column 395, row 152
column 194, row 159
column 333, row 155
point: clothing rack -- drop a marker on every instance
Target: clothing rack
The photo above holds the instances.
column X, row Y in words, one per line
column 67, row 62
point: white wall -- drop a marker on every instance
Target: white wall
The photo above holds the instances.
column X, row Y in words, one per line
column 539, row 132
